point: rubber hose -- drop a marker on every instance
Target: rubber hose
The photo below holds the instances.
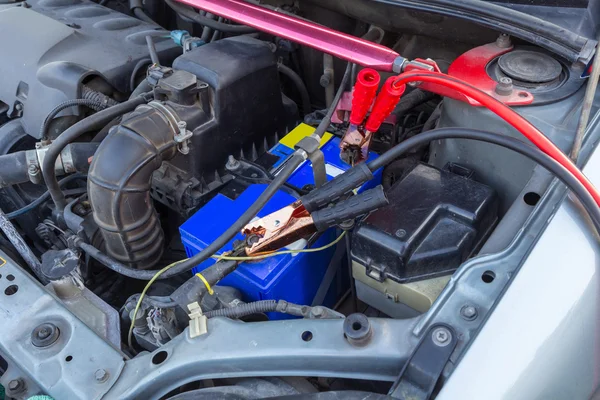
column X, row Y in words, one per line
column 412, row 100
column 199, row 19
column 136, row 70
column 300, row 86
column 243, row 310
column 212, row 274
column 81, row 155
column 13, row 169
column 96, row 121
column 137, row 8
column 15, row 238
column 207, row 31
column 119, row 186
column 91, row 94
column 329, row 72
column 141, row 15
column 143, row 87
column 43, row 197
column 152, row 50
column 93, row 104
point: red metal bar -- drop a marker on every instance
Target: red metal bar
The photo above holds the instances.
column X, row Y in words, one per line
column 347, row 47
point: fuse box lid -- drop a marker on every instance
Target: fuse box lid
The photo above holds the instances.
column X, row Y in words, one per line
column 435, row 220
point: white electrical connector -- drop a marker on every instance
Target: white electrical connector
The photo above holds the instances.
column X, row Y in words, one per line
column 198, row 326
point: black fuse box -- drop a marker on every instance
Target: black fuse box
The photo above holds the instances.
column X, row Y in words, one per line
column 435, row 220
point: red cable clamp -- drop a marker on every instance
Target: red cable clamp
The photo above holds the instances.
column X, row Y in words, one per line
column 388, row 98
column 363, row 94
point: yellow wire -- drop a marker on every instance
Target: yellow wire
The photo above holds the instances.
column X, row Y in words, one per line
column 227, row 258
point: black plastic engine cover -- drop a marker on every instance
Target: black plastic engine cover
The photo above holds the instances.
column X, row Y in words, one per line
column 246, row 101
column 435, row 220
column 49, row 47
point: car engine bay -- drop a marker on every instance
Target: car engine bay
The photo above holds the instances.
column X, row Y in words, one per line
column 276, row 199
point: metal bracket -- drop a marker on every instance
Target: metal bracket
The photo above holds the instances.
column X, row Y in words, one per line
column 425, row 366
column 311, row 145
column 183, row 137
column 64, row 367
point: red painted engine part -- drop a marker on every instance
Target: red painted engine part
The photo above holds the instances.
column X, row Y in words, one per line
column 471, row 68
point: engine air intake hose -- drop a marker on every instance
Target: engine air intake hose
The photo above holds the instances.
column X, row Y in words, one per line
column 119, row 185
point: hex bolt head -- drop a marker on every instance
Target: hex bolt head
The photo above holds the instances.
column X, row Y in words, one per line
column 398, row 64
column 101, row 375
column 504, row 87
column 468, row 312
column 441, row 337
column 318, row 311
column 16, row 385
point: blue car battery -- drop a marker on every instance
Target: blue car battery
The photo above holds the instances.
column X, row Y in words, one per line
column 292, row 277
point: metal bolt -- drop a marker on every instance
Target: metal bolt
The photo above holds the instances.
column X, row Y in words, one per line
column 79, row 209
column 441, row 337
column 503, row 41
column 468, row 312
column 504, row 86
column 45, row 335
column 35, row 175
column 400, row 233
column 16, row 385
column 19, row 106
column 182, row 137
column 398, row 65
column 101, row 375
column 252, row 239
column 232, row 163
column 318, row 311
column 347, row 225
